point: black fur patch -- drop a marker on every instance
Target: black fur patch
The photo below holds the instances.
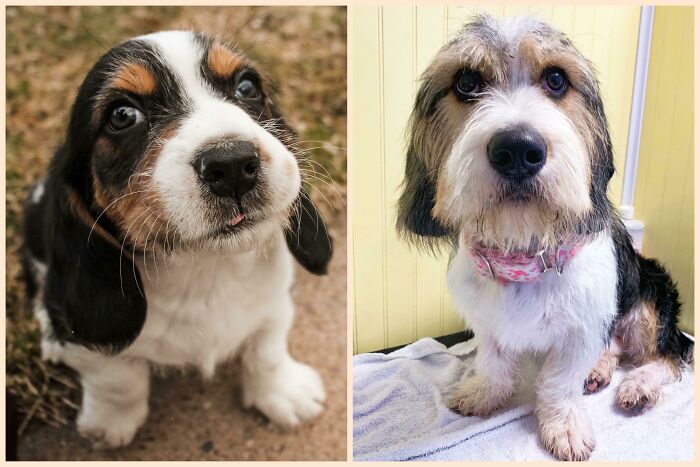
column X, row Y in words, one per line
column 641, row 279
column 93, row 294
column 307, row 237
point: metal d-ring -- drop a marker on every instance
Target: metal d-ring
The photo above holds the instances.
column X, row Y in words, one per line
column 488, row 264
column 543, row 264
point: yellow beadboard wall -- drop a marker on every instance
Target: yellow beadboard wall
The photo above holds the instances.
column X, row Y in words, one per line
column 399, row 294
column 664, row 197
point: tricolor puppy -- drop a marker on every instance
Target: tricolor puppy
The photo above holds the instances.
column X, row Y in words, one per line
column 509, row 161
column 162, row 233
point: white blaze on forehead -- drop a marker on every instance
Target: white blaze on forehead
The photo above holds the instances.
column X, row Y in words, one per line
column 183, row 55
column 514, row 28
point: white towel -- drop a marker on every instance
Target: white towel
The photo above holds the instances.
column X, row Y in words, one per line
column 400, row 413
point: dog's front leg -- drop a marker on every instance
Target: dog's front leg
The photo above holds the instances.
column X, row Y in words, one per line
column 286, row 391
column 493, row 383
column 565, row 427
column 115, row 395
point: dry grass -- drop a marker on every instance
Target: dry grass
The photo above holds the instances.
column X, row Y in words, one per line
column 49, row 51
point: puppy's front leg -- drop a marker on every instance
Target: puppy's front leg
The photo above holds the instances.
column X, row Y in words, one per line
column 115, row 395
column 286, row 391
column 493, row 383
column 565, row 427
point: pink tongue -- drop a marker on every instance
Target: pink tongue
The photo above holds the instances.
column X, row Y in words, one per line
column 238, row 218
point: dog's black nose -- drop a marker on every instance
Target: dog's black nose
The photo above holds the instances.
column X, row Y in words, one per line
column 229, row 170
column 517, row 152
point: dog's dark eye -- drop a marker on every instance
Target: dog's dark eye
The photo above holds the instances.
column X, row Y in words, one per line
column 468, row 84
column 555, row 81
column 123, row 117
column 247, row 89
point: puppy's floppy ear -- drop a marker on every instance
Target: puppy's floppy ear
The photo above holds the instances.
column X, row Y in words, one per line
column 307, row 236
column 93, row 292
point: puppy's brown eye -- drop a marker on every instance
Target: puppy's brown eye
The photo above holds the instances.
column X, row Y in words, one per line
column 468, row 84
column 247, row 89
column 555, row 81
column 123, row 117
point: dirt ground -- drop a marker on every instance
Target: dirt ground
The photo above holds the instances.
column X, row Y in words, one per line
column 49, row 51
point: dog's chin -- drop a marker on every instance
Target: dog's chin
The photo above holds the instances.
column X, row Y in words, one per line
column 239, row 231
column 519, row 199
column 520, row 192
column 235, row 225
column 517, row 220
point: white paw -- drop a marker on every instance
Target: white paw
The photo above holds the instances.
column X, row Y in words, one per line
column 476, row 396
column 291, row 394
column 635, row 395
column 566, row 433
column 111, row 427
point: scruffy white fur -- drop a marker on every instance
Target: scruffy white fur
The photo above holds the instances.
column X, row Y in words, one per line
column 553, row 316
column 205, row 304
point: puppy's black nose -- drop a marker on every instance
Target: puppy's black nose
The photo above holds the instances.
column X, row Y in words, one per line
column 229, row 170
column 517, row 152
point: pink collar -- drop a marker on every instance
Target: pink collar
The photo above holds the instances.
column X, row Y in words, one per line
column 519, row 266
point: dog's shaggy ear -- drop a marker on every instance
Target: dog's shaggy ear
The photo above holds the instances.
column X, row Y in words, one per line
column 417, row 201
column 93, row 293
column 415, row 222
column 602, row 162
column 307, row 236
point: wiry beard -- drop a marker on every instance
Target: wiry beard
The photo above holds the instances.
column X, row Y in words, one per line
column 519, row 218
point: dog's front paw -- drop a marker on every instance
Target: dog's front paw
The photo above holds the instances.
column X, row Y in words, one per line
column 291, row 394
column 596, row 381
column 567, row 433
column 476, row 396
column 600, row 377
column 635, row 395
column 111, row 428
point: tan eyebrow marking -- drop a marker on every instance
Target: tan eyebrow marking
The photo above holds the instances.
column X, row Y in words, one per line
column 221, row 61
column 135, row 78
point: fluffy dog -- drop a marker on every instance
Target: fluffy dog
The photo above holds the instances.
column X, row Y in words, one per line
column 162, row 233
column 508, row 161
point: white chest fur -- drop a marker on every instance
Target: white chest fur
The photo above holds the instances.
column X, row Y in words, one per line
column 540, row 315
column 203, row 305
